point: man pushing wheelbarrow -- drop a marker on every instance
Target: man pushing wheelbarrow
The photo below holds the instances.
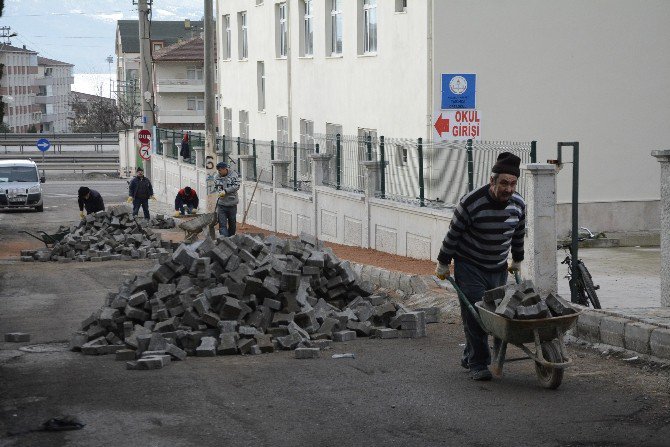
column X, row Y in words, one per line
column 487, row 223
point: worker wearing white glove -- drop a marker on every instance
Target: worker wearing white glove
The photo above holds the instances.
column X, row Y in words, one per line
column 487, row 224
column 226, row 183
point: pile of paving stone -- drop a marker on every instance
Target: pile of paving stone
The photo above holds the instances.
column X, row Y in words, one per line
column 242, row 295
column 161, row 222
column 522, row 302
column 108, row 235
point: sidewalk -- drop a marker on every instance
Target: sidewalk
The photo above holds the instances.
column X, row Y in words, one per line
column 629, row 279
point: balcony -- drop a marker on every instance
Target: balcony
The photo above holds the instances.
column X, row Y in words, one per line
column 180, row 86
column 48, row 117
column 45, row 99
column 181, row 117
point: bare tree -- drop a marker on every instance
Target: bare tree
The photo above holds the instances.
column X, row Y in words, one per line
column 93, row 114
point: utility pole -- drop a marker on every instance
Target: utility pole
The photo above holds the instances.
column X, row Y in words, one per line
column 146, row 73
column 210, row 100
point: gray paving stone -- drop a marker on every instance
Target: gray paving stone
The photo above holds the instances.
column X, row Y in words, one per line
column 17, row 337
column 659, row 343
column 637, row 336
column 341, row 336
column 207, row 347
column 307, row 353
column 612, row 330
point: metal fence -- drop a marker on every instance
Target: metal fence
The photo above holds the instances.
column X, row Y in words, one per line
column 411, row 171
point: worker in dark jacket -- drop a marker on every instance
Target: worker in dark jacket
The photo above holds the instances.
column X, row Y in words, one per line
column 91, row 200
column 185, row 150
column 139, row 193
column 186, row 198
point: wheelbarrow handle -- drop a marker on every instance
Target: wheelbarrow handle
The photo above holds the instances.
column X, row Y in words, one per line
column 465, row 301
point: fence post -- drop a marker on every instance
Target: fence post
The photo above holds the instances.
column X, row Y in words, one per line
column 369, row 146
column 533, row 151
column 223, row 149
column 174, row 146
column 421, row 186
column 253, row 148
column 295, row 166
column 272, row 150
column 471, row 166
column 382, row 170
column 338, row 160
column 238, row 153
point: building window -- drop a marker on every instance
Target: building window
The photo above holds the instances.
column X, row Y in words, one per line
column 194, row 103
column 259, row 2
column 335, row 27
column 261, row 85
column 226, row 37
column 369, row 26
column 244, row 125
column 48, row 71
column 306, row 146
column 307, row 28
column 195, row 73
column 157, row 46
column 243, row 41
column 400, row 5
column 282, row 30
column 227, row 122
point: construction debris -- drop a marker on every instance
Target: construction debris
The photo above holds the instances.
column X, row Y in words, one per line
column 521, row 302
column 17, row 337
column 242, row 295
column 161, row 222
column 106, row 236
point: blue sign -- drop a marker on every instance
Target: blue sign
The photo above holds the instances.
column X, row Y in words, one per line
column 43, row 144
column 458, row 91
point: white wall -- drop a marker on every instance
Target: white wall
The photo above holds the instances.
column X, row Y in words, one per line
column 591, row 71
column 386, row 92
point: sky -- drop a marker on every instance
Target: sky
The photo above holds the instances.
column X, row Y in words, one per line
column 82, row 32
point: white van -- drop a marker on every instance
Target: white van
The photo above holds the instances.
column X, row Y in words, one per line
column 20, row 185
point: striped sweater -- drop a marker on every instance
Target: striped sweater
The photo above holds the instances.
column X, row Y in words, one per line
column 483, row 230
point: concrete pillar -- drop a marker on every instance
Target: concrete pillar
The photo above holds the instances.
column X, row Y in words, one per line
column 320, row 171
column 371, row 173
column 663, row 157
column 246, row 167
column 280, row 173
column 540, row 246
column 199, row 156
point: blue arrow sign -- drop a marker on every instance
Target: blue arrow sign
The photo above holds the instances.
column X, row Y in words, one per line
column 43, row 144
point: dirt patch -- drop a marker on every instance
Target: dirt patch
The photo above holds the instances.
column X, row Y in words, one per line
column 10, row 249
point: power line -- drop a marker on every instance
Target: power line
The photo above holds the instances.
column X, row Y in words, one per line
column 71, row 37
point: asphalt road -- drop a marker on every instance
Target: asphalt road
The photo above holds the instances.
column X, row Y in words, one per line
column 395, row 392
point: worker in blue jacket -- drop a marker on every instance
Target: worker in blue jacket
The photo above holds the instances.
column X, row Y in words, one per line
column 139, row 193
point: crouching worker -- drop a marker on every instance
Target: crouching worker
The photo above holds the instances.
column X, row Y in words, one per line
column 91, row 200
column 226, row 183
column 186, row 201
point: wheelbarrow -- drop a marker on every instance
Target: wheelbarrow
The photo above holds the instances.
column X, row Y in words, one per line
column 546, row 334
column 48, row 239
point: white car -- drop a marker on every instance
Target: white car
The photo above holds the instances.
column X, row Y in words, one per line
column 20, row 185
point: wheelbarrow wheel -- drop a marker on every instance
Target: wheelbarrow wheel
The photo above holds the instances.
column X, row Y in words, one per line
column 549, row 377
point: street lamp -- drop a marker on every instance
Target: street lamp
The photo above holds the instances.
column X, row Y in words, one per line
column 110, row 59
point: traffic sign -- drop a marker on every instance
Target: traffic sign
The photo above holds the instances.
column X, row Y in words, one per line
column 145, row 152
column 144, row 136
column 458, row 91
column 458, row 125
column 43, row 144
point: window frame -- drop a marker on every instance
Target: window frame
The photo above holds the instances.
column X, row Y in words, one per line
column 243, row 35
column 308, row 28
column 336, row 24
column 282, row 30
column 260, row 77
column 370, row 33
column 227, row 48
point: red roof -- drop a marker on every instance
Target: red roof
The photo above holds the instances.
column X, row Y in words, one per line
column 192, row 49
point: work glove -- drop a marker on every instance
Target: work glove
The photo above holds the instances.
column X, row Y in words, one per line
column 194, row 211
column 515, row 266
column 81, row 214
column 129, row 199
column 177, row 214
column 222, row 194
column 442, row 271
column 153, row 197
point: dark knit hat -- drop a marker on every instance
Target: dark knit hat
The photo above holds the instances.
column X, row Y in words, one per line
column 83, row 191
column 507, row 163
column 140, row 169
column 222, row 165
column 188, row 190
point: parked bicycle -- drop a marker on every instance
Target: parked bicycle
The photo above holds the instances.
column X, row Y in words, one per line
column 582, row 289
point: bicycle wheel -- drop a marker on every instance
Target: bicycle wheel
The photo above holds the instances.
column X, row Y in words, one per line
column 549, row 377
column 589, row 288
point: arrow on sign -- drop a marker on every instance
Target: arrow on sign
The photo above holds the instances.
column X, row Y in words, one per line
column 441, row 125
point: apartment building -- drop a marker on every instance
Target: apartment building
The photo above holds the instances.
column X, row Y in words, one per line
column 587, row 71
column 54, row 80
column 127, row 49
column 180, row 85
column 18, row 88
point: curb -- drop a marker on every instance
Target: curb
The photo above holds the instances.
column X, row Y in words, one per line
column 634, row 333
